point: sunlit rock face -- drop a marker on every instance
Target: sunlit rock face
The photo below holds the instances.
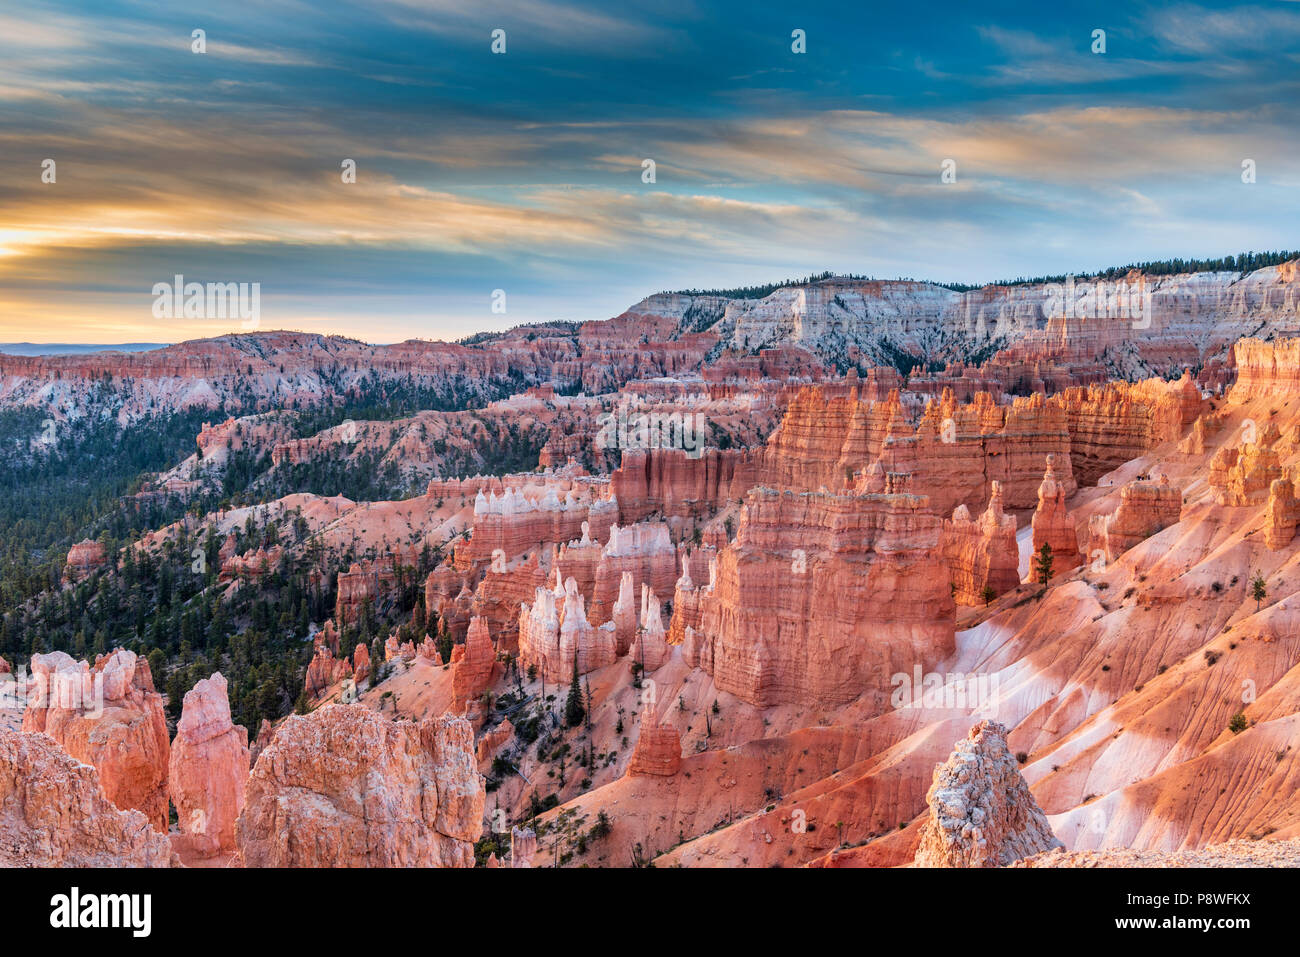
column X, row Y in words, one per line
column 1052, row 523
column 108, row 716
column 53, row 812
column 981, row 811
column 208, row 770
column 823, row 597
column 347, row 787
column 982, row 554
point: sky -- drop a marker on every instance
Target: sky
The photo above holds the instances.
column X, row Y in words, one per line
column 480, row 173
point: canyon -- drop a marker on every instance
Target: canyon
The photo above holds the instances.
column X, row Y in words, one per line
column 1029, row 598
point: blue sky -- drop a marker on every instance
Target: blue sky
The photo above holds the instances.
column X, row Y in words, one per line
column 522, row 171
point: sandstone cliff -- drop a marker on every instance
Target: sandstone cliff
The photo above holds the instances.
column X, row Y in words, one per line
column 823, row 597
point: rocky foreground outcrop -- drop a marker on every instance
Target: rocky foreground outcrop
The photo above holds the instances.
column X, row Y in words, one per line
column 981, row 811
column 110, row 717
column 1229, row 854
column 53, row 813
column 209, row 767
column 346, row 787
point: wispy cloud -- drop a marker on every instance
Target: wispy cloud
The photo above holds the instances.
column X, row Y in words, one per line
column 523, row 171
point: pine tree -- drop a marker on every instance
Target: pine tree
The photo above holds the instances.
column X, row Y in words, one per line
column 587, row 704
column 1258, row 590
column 444, row 643
column 573, row 709
column 1043, row 564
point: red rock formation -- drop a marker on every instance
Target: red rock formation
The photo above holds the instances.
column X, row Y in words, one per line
column 472, row 671
column 454, row 613
column 578, row 560
column 83, row 558
column 499, row 595
column 372, row 581
column 650, row 649
column 658, row 750
column 328, row 636
column 958, row 451
column 229, row 548
column 53, row 813
column 360, row 662
column 109, row 717
column 952, row 455
column 264, row 735
column 645, row 550
column 982, row 553
column 1145, row 507
column 395, row 648
column 209, row 765
column 346, row 787
column 493, row 743
column 687, row 611
column 428, row 650
column 1052, row 523
column 1194, row 444
column 981, row 811
column 962, row 381
column 507, row 527
column 1113, row 423
column 672, row 483
column 1243, row 476
column 822, row 441
column 823, row 597
column 554, row 630
column 625, row 616
column 523, row 846
column 324, row 670
column 1282, row 515
column 1221, row 464
column 1265, row 369
column 253, row 566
